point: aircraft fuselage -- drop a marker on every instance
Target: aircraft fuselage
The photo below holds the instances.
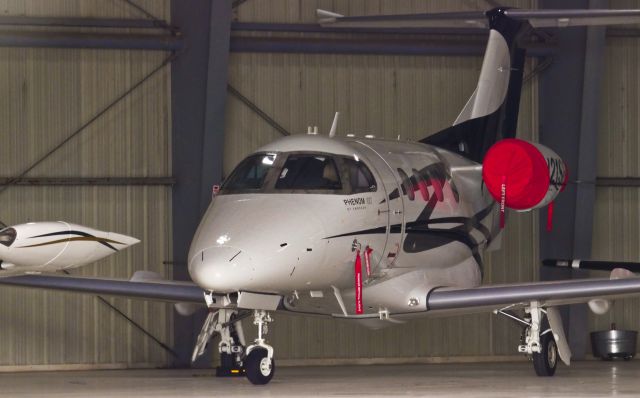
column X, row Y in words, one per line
column 288, row 219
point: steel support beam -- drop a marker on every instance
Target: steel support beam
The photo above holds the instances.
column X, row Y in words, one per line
column 256, row 109
column 316, row 28
column 618, row 182
column 377, row 46
column 198, row 84
column 66, row 22
column 587, row 152
column 215, row 100
column 91, row 181
column 568, row 103
column 90, row 40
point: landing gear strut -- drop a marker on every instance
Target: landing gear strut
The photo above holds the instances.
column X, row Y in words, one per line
column 538, row 341
column 232, row 342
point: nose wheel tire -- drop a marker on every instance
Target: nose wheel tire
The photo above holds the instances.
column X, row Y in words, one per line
column 258, row 367
column 546, row 361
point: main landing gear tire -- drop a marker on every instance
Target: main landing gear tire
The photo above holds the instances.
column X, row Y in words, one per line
column 546, row 361
column 258, row 367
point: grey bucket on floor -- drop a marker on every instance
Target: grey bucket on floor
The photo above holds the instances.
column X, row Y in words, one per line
column 609, row 344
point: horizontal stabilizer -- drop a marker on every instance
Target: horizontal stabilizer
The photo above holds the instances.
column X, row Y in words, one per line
column 479, row 19
column 566, row 18
column 473, row 19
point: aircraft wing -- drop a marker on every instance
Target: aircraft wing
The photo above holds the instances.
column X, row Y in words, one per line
column 548, row 294
column 442, row 300
column 173, row 291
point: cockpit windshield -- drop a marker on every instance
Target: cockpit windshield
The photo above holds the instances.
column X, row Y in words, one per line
column 250, row 173
column 309, row 172
column 300, row 172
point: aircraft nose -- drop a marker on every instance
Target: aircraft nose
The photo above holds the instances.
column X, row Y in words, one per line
column 221, row 269
column 259, row 245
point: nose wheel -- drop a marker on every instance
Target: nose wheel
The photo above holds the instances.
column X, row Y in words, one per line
column 259, row 364
column 259, row 368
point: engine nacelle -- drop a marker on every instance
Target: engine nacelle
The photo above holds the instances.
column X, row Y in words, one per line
column 522, row 174
column 52, row 246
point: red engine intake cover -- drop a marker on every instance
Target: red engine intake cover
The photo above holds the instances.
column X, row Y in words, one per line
column 525, row 172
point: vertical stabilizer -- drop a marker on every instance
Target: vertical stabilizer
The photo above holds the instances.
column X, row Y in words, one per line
column 491, row 113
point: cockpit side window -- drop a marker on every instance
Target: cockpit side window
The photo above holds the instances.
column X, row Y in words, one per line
column 250, row 174
column 360, row 177
column 309, row 172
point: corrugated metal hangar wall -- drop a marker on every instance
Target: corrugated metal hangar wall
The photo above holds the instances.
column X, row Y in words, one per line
column 616, row 231
column 47, row 94
column 50, row 93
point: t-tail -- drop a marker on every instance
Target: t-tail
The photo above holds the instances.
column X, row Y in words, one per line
column 491, row 114
column 518, row 174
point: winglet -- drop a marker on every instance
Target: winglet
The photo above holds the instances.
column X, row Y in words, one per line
column 325, row 16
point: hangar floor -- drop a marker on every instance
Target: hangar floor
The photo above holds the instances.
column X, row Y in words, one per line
column 587, row 378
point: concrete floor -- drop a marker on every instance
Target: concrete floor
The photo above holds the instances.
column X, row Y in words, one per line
column 584, row 379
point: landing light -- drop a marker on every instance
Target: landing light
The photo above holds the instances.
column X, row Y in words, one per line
column 223, row 239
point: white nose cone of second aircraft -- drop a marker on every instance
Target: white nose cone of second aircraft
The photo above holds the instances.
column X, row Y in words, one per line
column 53, row 246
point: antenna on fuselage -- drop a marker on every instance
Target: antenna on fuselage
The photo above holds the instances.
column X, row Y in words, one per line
column 334, row 125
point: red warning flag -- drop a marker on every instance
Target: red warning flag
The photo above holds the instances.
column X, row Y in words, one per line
column 358, row 283
column 367, row 260
column 550, row 217
column 503, row 199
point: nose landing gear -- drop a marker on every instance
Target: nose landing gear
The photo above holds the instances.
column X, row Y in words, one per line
column 255, row 361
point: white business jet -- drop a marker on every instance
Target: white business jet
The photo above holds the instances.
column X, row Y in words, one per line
column 38, row 247
column 380, row 232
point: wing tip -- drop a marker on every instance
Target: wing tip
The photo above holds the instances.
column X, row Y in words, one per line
column 327, row 17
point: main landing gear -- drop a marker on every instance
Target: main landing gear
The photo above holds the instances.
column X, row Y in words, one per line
column 255, row 361
column 538, row 341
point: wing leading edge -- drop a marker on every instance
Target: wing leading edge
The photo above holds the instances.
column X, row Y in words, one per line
column 173, row 291
column 547, row 294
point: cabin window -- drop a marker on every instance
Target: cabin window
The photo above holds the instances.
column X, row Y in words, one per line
column 250, row 173
column 309, row 172
column 360, row 177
